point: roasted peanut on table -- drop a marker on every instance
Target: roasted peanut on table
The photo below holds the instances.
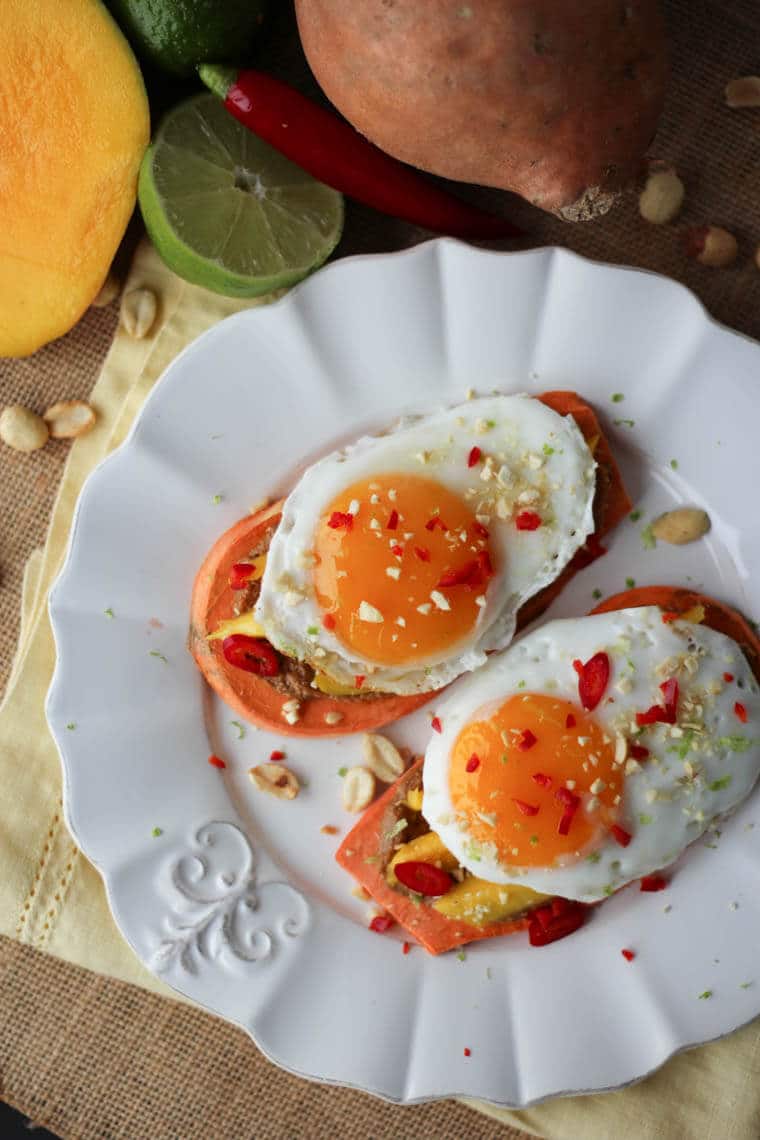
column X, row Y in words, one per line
column 22, row 429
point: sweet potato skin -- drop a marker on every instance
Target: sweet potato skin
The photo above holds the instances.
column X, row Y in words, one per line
column 555, row 101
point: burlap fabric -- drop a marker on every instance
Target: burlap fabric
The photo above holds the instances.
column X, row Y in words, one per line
column 95, row 1058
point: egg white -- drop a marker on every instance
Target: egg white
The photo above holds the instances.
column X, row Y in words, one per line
column 540, row 449
column 679, row 801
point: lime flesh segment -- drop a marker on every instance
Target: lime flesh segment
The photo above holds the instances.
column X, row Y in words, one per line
column 227, row 211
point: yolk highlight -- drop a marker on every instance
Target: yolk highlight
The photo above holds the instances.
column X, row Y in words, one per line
column 530, row 748
column 382, row 574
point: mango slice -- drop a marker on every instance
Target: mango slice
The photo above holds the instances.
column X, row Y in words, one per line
column 481, row 903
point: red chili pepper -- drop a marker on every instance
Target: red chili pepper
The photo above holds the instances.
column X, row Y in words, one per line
column 380, row 923
column 359, row 680
column 341, row 520
column 240, row 575
column 474, row 573
column 422, row 553
column 423, row 878
column 639, row 752
column 526, row 809
column 741, row 712
column 473, row 763
column 588, row 553
column 474, row 456
column 435, row 521
column 656, row 713
column 629, row 955
column 467, row 1052
column 571, row 803
column 392, row 520
column 526, row 740
column 331, row 150
column 570, row 721
column 436, row 725
column 593, row 678
column 397, row 550
column 216, row 762
column 728, row 678
column 328, row 621
column 527, row 520
column 542, row 780
column 560, row 906
column 620, row 835
column 277, row 755
column 669, row 616
column 545, row 926
column 405, row 948
column 653, row 883
column 479, row 530
column 252, row 654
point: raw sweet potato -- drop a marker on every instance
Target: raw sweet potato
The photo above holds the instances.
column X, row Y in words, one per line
column 554, row 100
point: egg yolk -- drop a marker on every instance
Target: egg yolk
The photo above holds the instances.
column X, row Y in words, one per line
column 536, row 780
column 401, row 568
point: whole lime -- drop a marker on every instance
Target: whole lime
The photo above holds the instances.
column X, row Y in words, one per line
column 177, row 35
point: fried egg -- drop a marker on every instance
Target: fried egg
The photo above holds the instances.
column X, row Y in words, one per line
column 400, row 561
column 525, row 784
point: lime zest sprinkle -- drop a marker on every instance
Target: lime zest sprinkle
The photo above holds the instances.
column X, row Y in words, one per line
column 71, row 725
column 609, row 890
column 644, row 818
column 157, row 653
column 109, row 613
column 594, row 857
column 216, row 500
column 461, row 955
column 624, row 423
column 674, row 464
column 705, row 995
column 648, row 541
column 734, row 743
column 630, row 583
column 241, row 730
column 157, row 831
column 723, row 782
column 744, row 985
column 521, row 684
column 533, row 840
column 313, row 630
column 596, row 594
column 548, row 449
column 342, row 771
column 617, row 397
column 634, row 516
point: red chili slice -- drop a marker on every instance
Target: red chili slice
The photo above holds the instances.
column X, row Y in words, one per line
column 669, row 616
column 405, row 948
column 553, row 927
column 253, row 654
column 526, row 740
column 527, row 520
column 392, row 520
column 240, row 575
column 526, row 809
column 474, row 456
column 570, row 721
column 474, row 573
column 422, row 553
column 277, row 755
column 542, row 780
column 620, row 835
column 741, row 712
column 473, row 763
column 571, row 803
column 423, row 878
column 216, row 762
column 467, row 1052
column 593, row 678
column 397, row 550
column 653, row 883
column 656, row 713
column 629, row 955
column 728, row 678
column 328, row 621
column 588, row 553
column 380, row 923
column 359, row 680
column 639, row 752
column 435, row 521
column 436, row 725
column 341, row 520
column 479, row 530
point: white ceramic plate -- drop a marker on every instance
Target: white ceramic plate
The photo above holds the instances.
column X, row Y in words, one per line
column 238, row 902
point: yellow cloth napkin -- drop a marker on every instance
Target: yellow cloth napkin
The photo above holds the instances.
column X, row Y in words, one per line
column 52, row 898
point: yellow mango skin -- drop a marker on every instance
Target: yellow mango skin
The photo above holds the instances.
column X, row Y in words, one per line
column 426, row 848
column 75, row 125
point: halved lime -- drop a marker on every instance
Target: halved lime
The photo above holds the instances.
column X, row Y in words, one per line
column 227, row 211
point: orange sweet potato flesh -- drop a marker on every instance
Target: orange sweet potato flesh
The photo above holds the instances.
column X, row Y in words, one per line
column 553, row 99
column 75, row 124
column 365, row 841
column 258, row 702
